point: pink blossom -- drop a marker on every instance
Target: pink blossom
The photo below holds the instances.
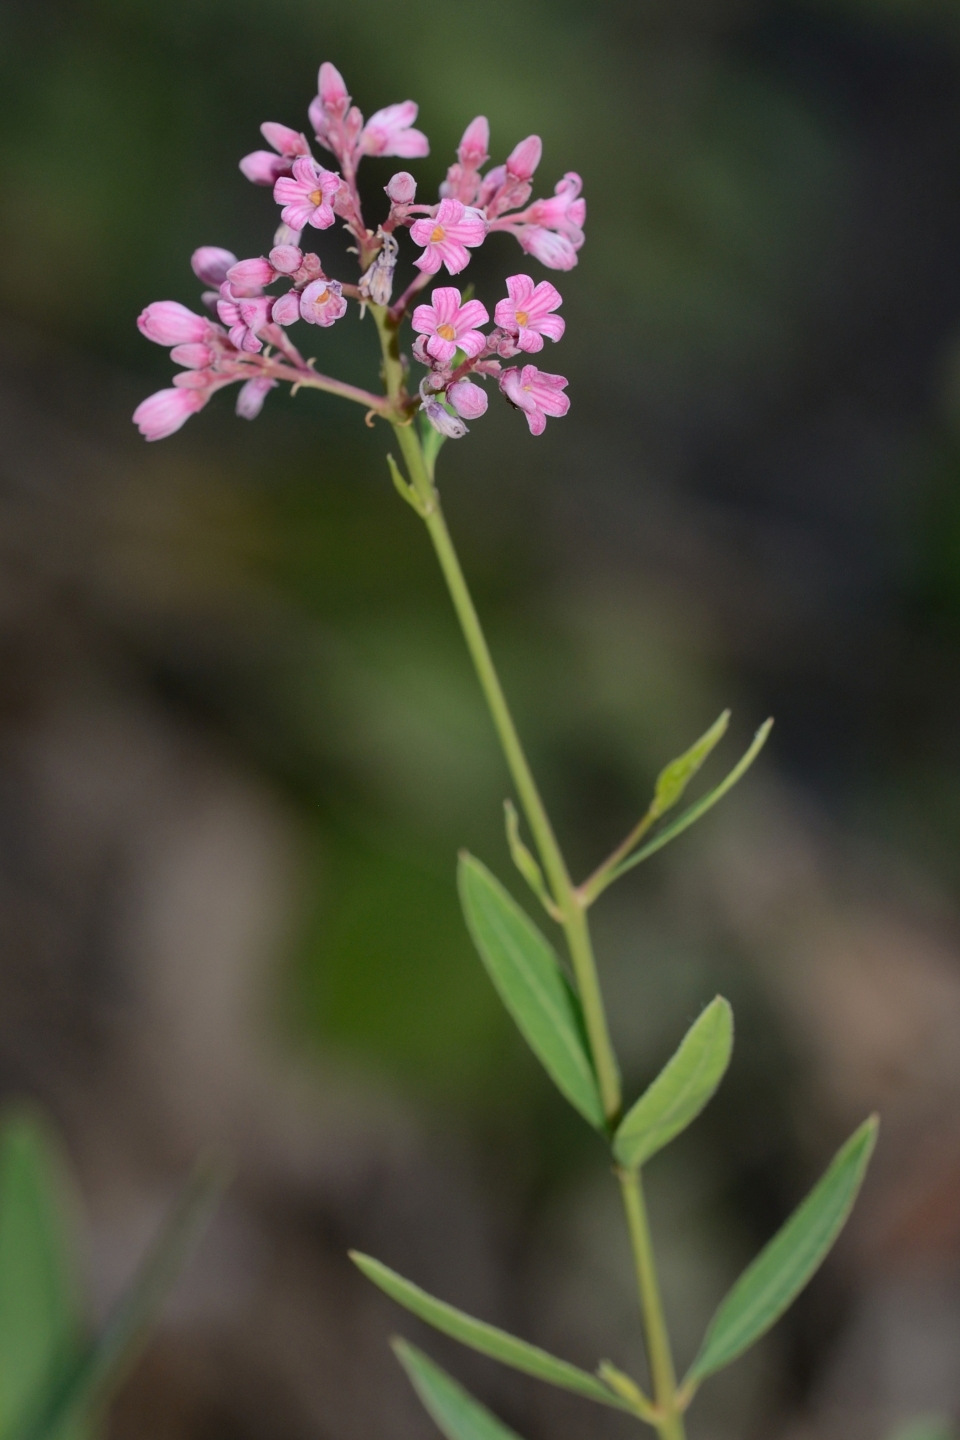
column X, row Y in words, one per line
column 286, row 259
column 527, row 313
column 286, row 308
column 446, row 236
column 472, row 150
column 524, row 158
column 210, row 264
column 167, row 322
column 451, row 325
column 252, row 395
column 401, row 188
column 332, row 90
column 388, row 132
column 162, row 414
column 440, row 418
column 322, row 303
column 335, row 124
column 566, row 212
column 285, row 141
column 306, row 196
column 264, row 168
column 194, row 379
column 467, row 399
column 555, row 251
column 245, row 316
column 195, row 357
column 536, row 394
column 251, row 275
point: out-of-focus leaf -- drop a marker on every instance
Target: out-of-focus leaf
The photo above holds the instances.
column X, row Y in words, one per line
column 488, row 1339
column 90, row 1382
column 768, row 1286
column 925, row 1427
column 675, row 777
column 40, row 1322
column 694, row 811
column 456, row 1413
column 681, row 1090
column 529, row 981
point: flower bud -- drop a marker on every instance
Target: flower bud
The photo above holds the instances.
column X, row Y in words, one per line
column 286, row 308
column 169, row 323
column 195, row 357
column 162, row 414
column 286, row 259
column 331, row 90
column 525, row 157
column 251, row 274
column 401, row 188
column 210, row 264
column 467, row 399
column 284, row 140
column 448, row 425
column 252, row 395
column 472, row 150
column 262, row 167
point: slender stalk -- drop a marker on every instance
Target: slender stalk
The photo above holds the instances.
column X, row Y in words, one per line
column 574, row 919
column 670, row 1427
column 590, row 888
column 311, row 379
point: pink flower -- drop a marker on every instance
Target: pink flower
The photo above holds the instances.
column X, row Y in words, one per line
column 169, row 323
column 251, row 275
column 322, row 303
column 446, row 236
column 566, row 212
column 388, row 132
column 555, row 251
column 451, row 325
column 335, row 123
column 195, row 357
column 307, row 195
column 286, row 308
column 440, row 418
column 463, row 181
column 265, row 168
column 401, row 188
column 286, row 259
column 467, row 399
column 210, row 264
column 527, row 313
column 252, row 395
column 162, row 414
column 524, row 158
column 536, row 394
column 332, row 91
column 245, row 316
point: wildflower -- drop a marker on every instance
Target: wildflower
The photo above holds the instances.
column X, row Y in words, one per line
column 401, row 188
column 469, row 400
column 306, row 196
column 195, row 357
column 524, row 158
column 446, row 236
column 322, row 303
column 169, row 323
column 251, row 275
column 536, row 394
column 286, row 259
column 557, row 252
column 566, row 212
column 450, row 426
column 450, row 325
column 163, row 413
column 389, row 132
column 286, row 308
column 526, row 315
column 210, row 264
column 244, row 315
column 463, row 181
column 252, row 395
column 264, row 167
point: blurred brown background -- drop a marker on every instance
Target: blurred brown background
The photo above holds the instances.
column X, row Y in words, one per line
column 240, row 742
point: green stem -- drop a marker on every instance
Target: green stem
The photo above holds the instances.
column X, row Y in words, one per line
column 662, row 1374
column 574, row 918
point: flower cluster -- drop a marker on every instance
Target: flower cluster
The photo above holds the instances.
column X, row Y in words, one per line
column 247, row 342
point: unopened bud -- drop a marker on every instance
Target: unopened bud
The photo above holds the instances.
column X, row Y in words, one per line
column 450, row 426
column 249, row 274
column 286, row 259
column 401, row 188
column 472, row 150
column 525, row 157
column 284, row 140
column 210, row 263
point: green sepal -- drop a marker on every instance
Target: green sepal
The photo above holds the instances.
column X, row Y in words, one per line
column 488, row 1339
column 526, row 862
column 781, row 1270
column 681, row 1090
column 457, row 1415
column 528, row 978
column 675, row 777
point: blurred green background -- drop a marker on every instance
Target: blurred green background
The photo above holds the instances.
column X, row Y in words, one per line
column 235, row 703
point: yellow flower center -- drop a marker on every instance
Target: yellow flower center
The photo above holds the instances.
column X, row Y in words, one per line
column 316, row 197
column 446, row 332
column 437, row 235
column 522, row 317
column 322, row 298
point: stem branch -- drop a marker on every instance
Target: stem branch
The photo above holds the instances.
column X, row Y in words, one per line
column 670, row 1427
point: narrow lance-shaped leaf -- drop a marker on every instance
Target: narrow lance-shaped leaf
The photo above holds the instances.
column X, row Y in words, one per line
column 97, row 1373
column 694, row 811
column 781, row 1270
column 488, row 1339
column 675, row 777
column 681, row 1090
column 458, row 1416
column 525, row 861
column 529, row 981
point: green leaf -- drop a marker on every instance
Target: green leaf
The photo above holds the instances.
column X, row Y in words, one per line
column 403, row 489
column 40, row 1322
column 488, row 1339
column 768, row 1286
column 675, row 777
column 96, row 1374
column 698, row 808
column 525, row 861
column 681, row 1090
column 457, row 1414
column 529, row 981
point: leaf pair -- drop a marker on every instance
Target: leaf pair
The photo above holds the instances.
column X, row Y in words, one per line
column 51, row 1382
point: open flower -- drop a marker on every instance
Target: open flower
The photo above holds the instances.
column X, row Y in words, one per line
column 447, row 236
column 536, row 394
column 306, row 196
column 264, row 167
column 322, row 303
column 389, row 132
column 449, row 325
column 526, row 315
